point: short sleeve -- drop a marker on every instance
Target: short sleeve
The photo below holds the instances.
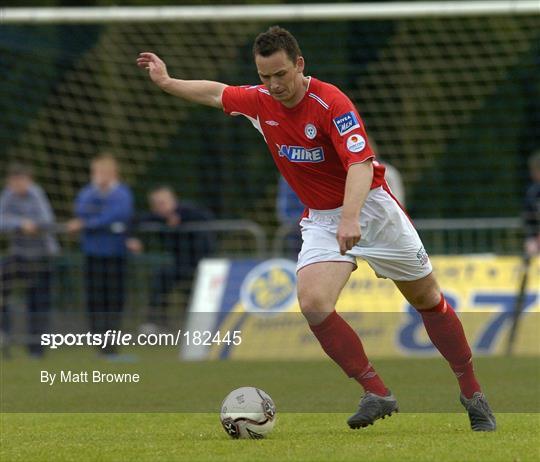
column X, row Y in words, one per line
column 347, row 132
column 240, row 100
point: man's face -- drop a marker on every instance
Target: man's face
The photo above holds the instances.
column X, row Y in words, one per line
column 535, row 173
column 162, row 203
column 19, row 184
column 280, row 75
column 104, row 173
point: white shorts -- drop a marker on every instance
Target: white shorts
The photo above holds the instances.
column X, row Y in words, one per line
column 389, row 242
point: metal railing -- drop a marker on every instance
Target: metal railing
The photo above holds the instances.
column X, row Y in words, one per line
column 248, row 227
column 440, row 235
column 471, row 235
column 447, row 235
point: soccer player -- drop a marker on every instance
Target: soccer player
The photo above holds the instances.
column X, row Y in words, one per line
column 319, row 143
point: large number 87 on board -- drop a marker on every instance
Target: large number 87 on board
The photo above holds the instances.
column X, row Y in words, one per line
column 493, row 324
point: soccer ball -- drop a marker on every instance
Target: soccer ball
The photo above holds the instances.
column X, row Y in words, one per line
column 248, row 412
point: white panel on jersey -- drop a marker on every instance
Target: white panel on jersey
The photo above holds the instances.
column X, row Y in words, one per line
column 256, row 123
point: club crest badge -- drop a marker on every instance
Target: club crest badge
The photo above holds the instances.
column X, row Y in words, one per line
column 310, row 131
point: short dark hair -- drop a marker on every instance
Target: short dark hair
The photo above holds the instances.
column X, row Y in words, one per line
column 276, row 39
column 18, row 169
column 162, row 187
column 105, row 156
column 534, row 160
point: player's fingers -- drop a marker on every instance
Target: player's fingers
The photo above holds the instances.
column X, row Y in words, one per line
column 349, row 243
column 342, row 245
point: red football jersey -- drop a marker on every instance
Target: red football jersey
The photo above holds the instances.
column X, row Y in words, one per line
column 314, row 143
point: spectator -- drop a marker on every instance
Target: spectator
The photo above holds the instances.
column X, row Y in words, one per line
column 391, row 175
column 290, row 209
column 395, row 182
column 103, row 209
column 27, row 217
column 289, row 212
column 532, row 208
column 187, row 249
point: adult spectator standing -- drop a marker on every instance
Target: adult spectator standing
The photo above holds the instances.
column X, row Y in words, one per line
column 395, row 181
column 532, row 208
column 186, row 248
column 289, row 213
column 104, row 209
column 290, row 209
column 391, row 175
column 27, row 217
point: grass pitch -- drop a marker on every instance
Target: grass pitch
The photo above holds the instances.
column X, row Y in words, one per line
column 296, row 437
column 178, row 420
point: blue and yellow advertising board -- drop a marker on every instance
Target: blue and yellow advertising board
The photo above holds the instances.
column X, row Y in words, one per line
column 258, row 298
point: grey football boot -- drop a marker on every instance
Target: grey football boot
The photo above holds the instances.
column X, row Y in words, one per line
column 480, row 414
column 371, row 408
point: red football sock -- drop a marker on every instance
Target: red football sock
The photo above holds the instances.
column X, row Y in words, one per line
column 446, row 333
column 343, row 345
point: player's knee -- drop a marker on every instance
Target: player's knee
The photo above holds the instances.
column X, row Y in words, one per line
column 314, row 308
column 425, row 300
column 312, row 302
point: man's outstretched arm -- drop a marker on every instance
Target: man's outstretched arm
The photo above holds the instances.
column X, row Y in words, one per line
column 198, row 91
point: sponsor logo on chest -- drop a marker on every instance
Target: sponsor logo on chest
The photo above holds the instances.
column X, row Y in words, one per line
column 301, row 154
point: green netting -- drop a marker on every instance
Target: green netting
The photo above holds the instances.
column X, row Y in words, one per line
column 453, row 103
